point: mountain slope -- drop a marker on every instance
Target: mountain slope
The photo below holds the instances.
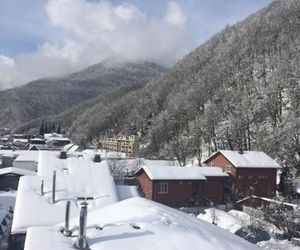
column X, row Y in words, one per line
column 54, row 95
column 238, row 90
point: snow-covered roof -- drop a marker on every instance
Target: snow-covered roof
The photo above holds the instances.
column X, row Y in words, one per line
column 248, row 159
column 174, row 173
column 140, row 224
column 27, row 155
column 18, row 171
column 20, row 140
column 77, row 176
column 37, row 139
column 71, row 147
column 213, row 172
column 21, row 155
column 58, row 139
column 48, row 136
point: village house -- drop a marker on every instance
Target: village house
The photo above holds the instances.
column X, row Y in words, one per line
column 9, row 177
column 182, row 186
column 251, row 172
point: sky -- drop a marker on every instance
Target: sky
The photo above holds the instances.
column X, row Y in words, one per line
column 42, row 38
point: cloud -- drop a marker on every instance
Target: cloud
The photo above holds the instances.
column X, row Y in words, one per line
column 175, row 15
column 94, row 31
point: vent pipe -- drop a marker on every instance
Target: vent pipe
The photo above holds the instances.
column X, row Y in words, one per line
column 97, row 158
column 81, row 242
column 53, row 186
column 42, row 188
column 63, row 155
column 67, row 231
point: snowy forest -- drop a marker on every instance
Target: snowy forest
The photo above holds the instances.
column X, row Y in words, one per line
column 241, row 89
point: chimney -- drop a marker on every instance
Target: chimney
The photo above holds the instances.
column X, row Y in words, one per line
column 53, row 186
column 241, row 150
column 97, row 158
column 67, row 231
column 63, row 155
column 42, row 188
column 81, row 242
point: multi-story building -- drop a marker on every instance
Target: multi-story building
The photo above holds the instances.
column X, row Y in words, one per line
column 124, row 144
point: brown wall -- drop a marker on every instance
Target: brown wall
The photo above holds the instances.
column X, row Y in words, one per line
column 220, row 161
column 247, row 177
column 183, row 192
column 214, row 189
column 146, row 185
column 180, row 193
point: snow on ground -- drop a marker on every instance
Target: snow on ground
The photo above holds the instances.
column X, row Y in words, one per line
column 138, row 223
column 274, row 244
column 223, row 219
column 77, row 176
column 235, row 220
column 7, row 199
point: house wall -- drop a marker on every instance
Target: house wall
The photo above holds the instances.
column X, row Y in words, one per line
column 9, row 181
column 181, row 193
column 244, row 178
column 146, row 185
column 221, row 162
column 262, row 180
column 214, row 189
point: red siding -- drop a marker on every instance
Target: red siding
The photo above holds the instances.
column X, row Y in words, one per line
column 180, row 193
column 214, row 189
column 184, row 192
column 146, row 185
column 253, row 177
column 249, row 177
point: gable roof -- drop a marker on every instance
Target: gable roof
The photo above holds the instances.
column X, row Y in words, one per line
column 173, row 173
column 248, row 159
column 14, row 170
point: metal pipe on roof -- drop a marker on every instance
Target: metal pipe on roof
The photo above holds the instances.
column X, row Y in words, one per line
column 53, row 186
column 42, row 188
column 81, row 242
column 67, row 232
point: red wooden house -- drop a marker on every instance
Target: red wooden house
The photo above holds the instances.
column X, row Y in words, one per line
column 182, row 186
column 248, row 169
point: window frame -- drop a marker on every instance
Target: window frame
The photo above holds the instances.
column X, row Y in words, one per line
column 162, row 187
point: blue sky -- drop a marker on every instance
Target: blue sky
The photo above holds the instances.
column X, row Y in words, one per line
column 66, row 35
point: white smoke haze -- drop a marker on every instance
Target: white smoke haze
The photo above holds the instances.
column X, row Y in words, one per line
column 94, row 31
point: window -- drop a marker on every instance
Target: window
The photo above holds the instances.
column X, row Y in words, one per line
column 240, row 177
column 228, row 168
column 162, row 187
column 262, row 177
column 250, row 177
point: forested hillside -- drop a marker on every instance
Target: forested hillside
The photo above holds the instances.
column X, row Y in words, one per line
column 241, row 89
column 54, row 95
